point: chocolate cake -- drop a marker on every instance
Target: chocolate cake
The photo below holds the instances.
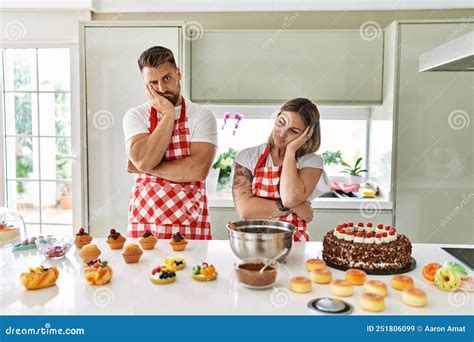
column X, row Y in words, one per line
column 368, row 248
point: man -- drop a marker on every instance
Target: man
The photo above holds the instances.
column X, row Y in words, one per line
column 171, row 144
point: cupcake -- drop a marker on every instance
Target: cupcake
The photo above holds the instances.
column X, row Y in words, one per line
column 178, row 242
column 132, row 253
column 89, row 252
column 148, row 240
column 97, row 272
column 115, row 239
column 177, row 263
column 82, row 239
column 163, row 275
column 204, row 272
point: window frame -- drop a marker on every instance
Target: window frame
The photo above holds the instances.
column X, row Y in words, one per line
column 75, row 126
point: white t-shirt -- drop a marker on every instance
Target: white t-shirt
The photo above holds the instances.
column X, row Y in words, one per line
column 248, row 158
column 201, row 122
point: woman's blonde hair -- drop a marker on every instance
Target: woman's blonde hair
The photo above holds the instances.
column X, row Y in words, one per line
column 310, row 115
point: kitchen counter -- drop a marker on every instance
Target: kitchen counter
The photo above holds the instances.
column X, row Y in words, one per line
column 131, row 291
column 223, row 199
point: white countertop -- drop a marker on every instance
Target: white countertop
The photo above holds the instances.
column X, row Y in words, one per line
column 131, row 291
column 223, row 199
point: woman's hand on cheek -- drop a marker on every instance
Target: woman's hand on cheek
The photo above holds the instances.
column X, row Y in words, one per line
column 295, row 144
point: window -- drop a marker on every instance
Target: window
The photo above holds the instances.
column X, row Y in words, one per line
column 347, row 136
column 37, row 137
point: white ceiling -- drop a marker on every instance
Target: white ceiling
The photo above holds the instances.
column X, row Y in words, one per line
column 118, row 6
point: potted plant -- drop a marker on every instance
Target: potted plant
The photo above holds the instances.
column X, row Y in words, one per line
column 65, row 201
column 354, row 171
column 223, row 169
column 331, row 160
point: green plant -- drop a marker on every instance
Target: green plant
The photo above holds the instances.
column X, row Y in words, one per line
column 224, row 163
column 23, row 164
column 355, row 170
column 23, row 170
column 332, row 157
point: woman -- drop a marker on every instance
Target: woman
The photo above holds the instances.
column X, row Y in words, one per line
column 279, row 179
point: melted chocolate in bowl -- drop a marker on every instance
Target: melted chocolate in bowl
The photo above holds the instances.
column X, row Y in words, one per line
column 249, row 274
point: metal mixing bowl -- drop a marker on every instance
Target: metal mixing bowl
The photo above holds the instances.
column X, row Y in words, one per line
column 260, row 238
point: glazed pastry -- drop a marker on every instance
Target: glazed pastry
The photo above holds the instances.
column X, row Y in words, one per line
column 89, row 252
column 402, row 282
column 376, row 286
column 204, row 272
column 429, row 270
column 82, row 239
column 447, row 279
column 177, row 263
column 467, row 284
column 97, row 272
column 163, row 275
column 148, row 240
column 300, row 285
column 115, row 239
column 458, row 268
column 321, row 276
column 178, row 242
column 356, row 276
column 372, row 302
column 315, row 264
column 414, row 297
column 39, row 278
column 132, row 253
column 342, row 288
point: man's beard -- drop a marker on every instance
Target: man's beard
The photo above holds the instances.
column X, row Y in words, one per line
column 173, row 97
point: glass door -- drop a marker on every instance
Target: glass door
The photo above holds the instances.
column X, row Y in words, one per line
column 36, row 137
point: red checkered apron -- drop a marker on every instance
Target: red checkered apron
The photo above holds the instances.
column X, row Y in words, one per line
column 166, row 207
column 266, row 183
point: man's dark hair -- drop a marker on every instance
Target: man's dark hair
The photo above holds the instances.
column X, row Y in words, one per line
column 155, row 56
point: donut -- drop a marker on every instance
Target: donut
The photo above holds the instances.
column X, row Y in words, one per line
column 447, row 279
column 414, row 297
column 402, row 282
column 300, row 285
column 321, row 276
column 429, row 271
column 342, row 288
column 458, row 268
column 372, row 302
column 315, row 264
column 355, row 276
column 376, row 286
column 467, row 284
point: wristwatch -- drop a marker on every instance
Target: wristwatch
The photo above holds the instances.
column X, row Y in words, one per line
column 281, row 207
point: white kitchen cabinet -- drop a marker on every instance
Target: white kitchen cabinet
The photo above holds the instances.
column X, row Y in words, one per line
column 433, row 179
column 219, row 219
column 112, row 84
column 324, row 220
column 268, row 66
